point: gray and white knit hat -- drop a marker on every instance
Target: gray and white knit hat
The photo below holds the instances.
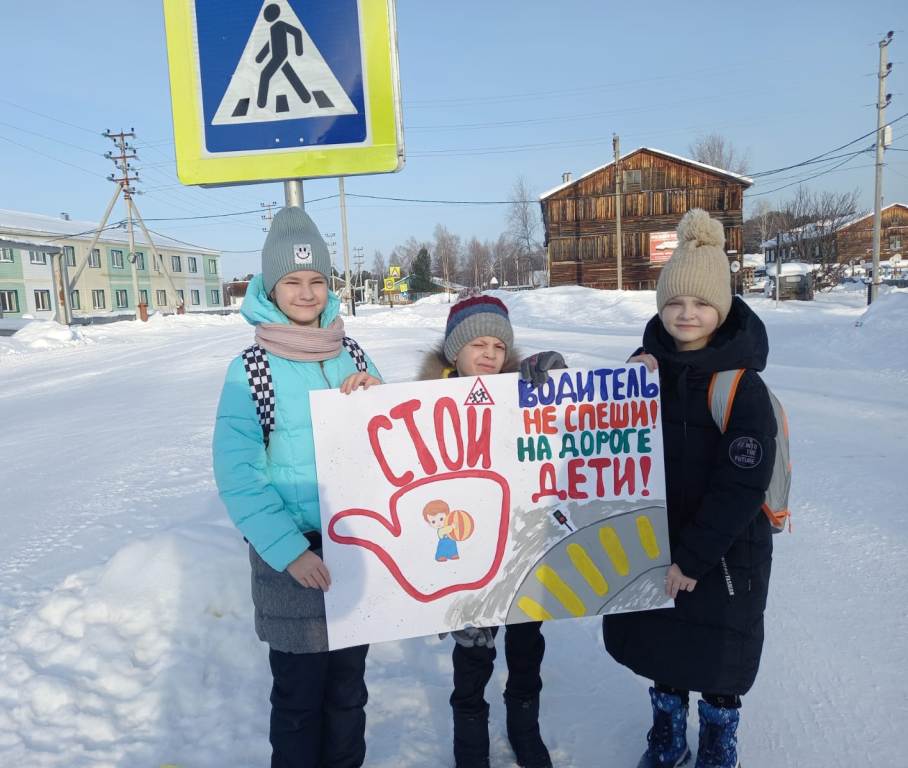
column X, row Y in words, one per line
column 293, row 244
column 699, row 266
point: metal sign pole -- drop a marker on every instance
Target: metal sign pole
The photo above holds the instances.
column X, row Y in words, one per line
column 293, row 193
column 343, row 212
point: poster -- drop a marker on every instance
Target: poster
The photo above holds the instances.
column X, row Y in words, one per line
column 486, row 500
column 661, row 246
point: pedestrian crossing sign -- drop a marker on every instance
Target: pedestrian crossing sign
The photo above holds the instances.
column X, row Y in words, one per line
column 264, row 90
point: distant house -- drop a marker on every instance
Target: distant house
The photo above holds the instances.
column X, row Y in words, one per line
column 579, row 217
column 851, row 242
column 854, row 240
column 235, row 291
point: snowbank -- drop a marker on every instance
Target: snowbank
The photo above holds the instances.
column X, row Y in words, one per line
column 41, row 335
column 151, row 658
column 155, row 642
column 578, row 307
column 889, row 313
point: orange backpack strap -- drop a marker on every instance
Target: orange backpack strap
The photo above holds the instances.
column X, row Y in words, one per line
column 723, row 386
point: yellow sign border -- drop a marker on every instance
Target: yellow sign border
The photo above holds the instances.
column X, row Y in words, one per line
column 385, row 155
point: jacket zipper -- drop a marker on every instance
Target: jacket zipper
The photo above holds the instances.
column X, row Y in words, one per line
column 750, row 563
column 321, row 367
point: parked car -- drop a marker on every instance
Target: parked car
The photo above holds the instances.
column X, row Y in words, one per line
column 758, row 285
column 798, row 286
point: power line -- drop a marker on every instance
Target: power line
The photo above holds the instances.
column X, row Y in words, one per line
column 116, row 225
column 806, row 163
column 234, row 213
column 55, row 118
column 556, row 119
column 51, row 157
column 51, row 138
column 200, row 247
column 617, row 85
column 828, row 152
column 808, row 178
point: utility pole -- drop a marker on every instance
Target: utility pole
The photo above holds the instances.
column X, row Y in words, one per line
column 619, row 200
column 358, row 261
column 124, row 183
column 121, row 159
column 882, row 102
column 778, row 265
column 344, row 243
column 268, row 216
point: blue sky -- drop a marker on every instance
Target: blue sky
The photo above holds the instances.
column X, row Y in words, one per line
column 492, row 91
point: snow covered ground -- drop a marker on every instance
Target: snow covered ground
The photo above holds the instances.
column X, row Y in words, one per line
column 127, row 630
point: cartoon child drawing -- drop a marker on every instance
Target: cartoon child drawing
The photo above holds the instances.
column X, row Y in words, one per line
column 435, row 513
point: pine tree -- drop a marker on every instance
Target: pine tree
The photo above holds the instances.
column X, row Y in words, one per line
column 421, row 273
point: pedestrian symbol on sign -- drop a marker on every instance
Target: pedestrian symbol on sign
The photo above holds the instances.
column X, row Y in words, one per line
column 273, row 82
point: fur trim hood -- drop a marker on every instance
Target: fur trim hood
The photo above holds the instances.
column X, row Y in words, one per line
column 435, row 364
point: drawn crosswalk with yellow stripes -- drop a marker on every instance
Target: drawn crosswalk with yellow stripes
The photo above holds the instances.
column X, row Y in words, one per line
column 586, row 570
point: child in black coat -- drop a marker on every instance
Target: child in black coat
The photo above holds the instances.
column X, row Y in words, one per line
column 721, row 540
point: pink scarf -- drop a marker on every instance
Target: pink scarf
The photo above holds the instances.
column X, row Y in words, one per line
column 300, row 342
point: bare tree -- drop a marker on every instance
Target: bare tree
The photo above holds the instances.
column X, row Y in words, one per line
column 715, row 150
column 476, row 266
column 447, row 253
column 523, row 227
column 762, row 225
column 378, row 265
column 503, row 260
column 808, row 223
column 407, row 252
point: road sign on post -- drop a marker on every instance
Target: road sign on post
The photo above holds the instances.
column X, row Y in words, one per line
column 394, row 272
column 283, row 89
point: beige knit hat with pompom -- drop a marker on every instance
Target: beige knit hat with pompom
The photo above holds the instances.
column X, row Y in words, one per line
column 699, row 265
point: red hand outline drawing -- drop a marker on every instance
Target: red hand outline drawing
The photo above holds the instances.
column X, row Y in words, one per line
column 393, row 526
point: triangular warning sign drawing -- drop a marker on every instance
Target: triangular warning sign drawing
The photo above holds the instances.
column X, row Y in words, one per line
column 479, row 395
column 281, row 74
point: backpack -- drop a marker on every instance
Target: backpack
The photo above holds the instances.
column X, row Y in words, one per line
column 258, row 373
column 722, row 389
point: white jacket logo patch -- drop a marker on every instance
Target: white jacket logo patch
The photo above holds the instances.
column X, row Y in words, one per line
column 745, row 452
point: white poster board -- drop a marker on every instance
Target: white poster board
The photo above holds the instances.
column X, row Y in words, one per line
column 485, row 501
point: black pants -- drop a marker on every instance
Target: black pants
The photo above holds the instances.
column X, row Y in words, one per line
column 726, row 700
column 318, row 717
column 524, row 647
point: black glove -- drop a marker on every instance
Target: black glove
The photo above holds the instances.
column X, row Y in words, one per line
column 536, row 367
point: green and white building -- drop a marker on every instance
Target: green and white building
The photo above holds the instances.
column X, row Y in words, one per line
column 105, row 286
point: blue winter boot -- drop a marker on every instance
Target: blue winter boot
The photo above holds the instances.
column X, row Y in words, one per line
column 718, row 737
column 667, row 739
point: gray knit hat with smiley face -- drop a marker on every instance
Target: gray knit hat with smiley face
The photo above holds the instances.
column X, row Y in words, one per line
column 293, row 244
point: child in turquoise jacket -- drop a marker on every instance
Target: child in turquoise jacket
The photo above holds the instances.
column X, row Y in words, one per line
column 266, row 478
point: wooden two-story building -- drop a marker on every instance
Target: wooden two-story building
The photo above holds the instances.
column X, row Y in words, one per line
column 658, row 189
column 848, row 242
column 854, row 240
